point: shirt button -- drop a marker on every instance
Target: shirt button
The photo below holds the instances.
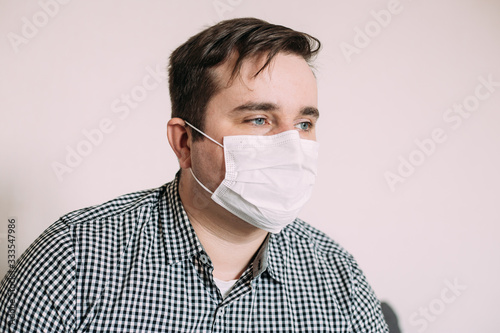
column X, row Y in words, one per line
column 221, row 312
column 204, row 259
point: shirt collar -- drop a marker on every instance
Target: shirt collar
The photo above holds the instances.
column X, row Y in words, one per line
column 277, row 257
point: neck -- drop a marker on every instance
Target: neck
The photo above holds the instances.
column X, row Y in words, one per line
column 230, row 242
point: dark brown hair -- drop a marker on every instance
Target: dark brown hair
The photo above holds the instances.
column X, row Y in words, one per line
column 191, row 79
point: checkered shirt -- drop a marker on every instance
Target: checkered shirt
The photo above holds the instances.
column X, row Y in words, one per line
column 135, row 264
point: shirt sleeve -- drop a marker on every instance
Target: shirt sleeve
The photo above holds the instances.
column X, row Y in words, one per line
column 366, row 313
column 38, row 293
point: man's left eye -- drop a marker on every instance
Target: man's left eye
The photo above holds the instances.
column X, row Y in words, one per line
column 259, row 121
column 304, row 126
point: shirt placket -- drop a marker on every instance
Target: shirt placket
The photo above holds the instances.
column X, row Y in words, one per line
column 222, row 312
column 222, row 315
column 221, row 321
column 204, row 268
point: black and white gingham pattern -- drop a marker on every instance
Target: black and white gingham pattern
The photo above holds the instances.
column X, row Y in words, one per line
column 134, row 264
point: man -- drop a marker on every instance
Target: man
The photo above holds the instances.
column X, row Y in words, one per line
column 219, row 249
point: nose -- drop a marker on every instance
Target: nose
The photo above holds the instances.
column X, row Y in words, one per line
column 283, row 126
column 280, row 128
column 291, row 126
column 283, row 122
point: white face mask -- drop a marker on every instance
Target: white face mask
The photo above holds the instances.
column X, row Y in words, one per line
column 268, row 178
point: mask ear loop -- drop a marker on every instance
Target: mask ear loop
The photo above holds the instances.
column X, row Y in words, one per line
column 195, row 178
column 197, row 130
column 204, row 187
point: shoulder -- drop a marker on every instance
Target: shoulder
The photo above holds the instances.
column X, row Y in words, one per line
column 312, row 239
column 328, row 257
column 102, row 234
column 59, row 238
column 320, row 255
column 314, row 254
column 108, row 226
column 115, row 208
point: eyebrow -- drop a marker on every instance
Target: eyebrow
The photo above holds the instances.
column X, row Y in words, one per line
column 310, row 111
column 251, row 106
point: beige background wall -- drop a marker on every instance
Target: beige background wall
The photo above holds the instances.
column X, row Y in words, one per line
column 409, row 179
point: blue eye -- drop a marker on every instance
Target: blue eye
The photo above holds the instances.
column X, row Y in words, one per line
column 304, row 126
column 259, row 121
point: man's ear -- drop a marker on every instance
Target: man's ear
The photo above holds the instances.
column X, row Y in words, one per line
column 180, row 141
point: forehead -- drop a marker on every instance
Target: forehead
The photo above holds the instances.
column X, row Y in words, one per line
column 285, row 71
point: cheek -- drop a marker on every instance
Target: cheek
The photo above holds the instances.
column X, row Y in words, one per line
column 208, row 161
column 311, row 135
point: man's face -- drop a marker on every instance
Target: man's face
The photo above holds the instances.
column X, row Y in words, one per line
column 282, row 97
